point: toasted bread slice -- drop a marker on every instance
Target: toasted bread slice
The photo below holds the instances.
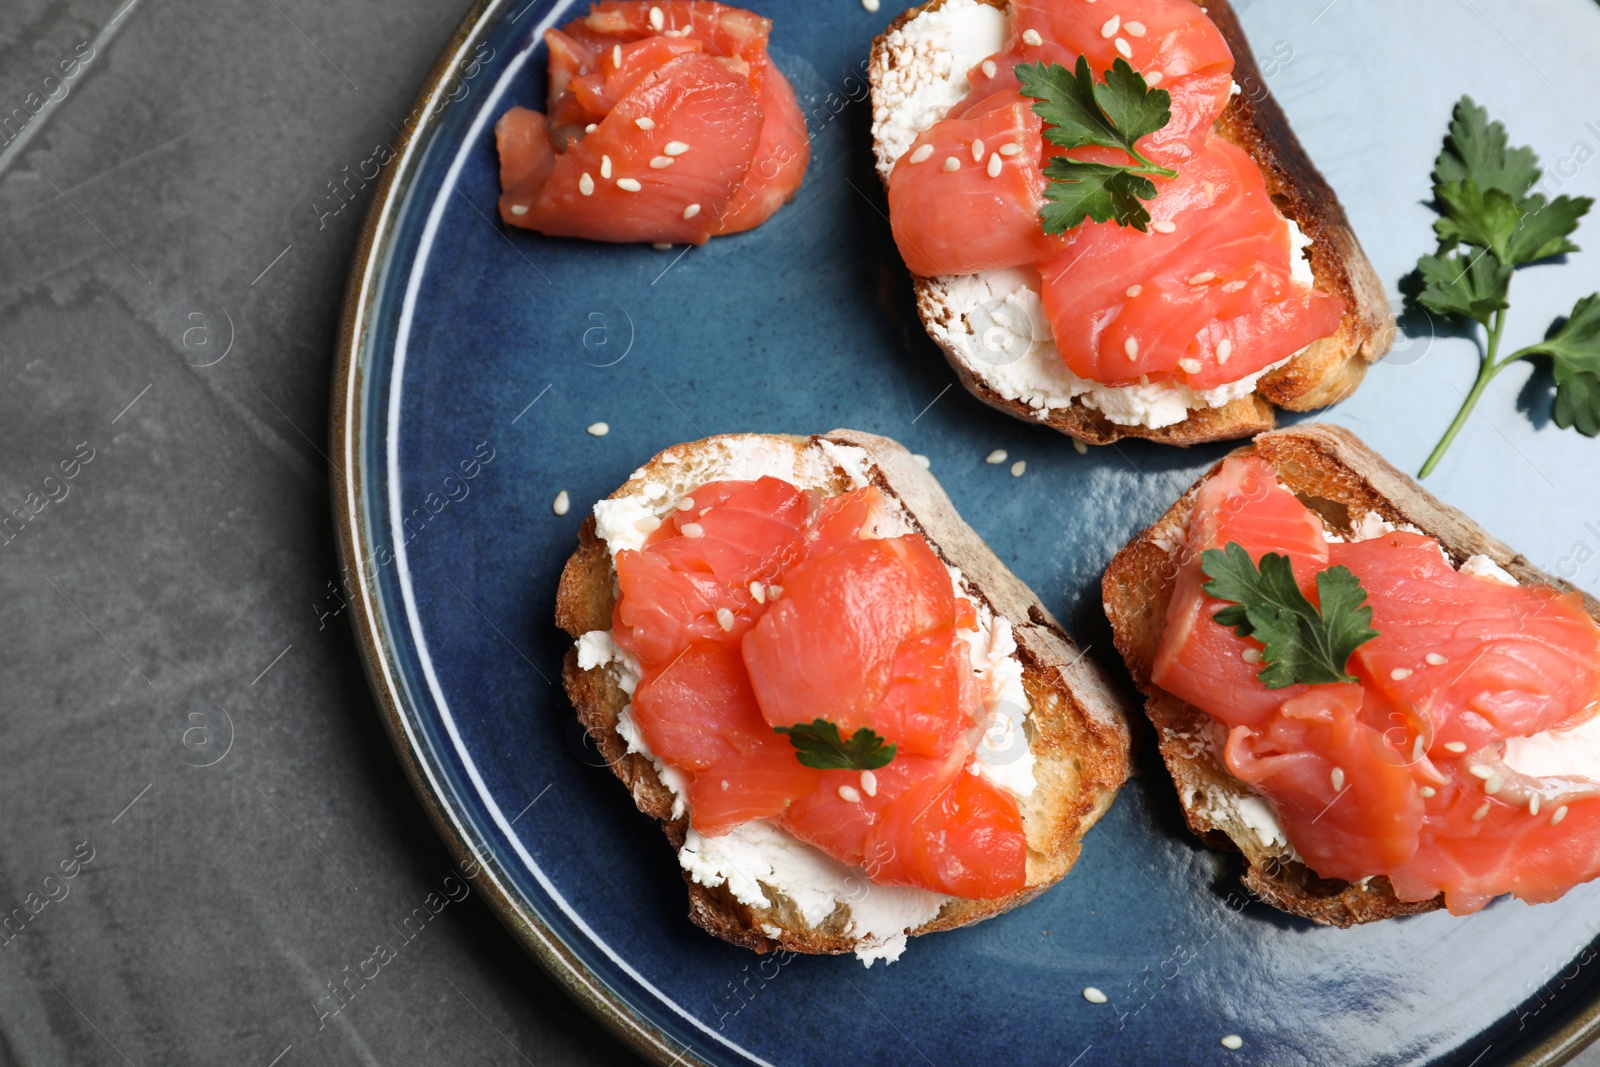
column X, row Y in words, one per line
column 1324, row 373
column 1077, row 725
column 1343, row 480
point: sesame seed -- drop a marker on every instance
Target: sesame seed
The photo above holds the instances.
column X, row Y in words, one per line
column 1559, row 814
column 686, row 504
column 849, row 795
column 774, row 592
column 1124, row 48
column 691, row 211
column 994, row 165
column 725, row 786
column 616, row 55
column 562, row 503
column 869, row 5
column 1400, row 674
column 585, row 184
column 657, row 20
column 1189, row 366
column 1210, row 189
column 1164, row 226
column 519, row 209
column 1436, row 660
column 1233, row 287
column 869, row 783
column 1483, row 810
column 1533, row 804
column 593, row 126
column 758, row 592
column 1457, row 747
column 692, row 530
column 1337, row 777
column 1134, row 290
column 1492, row 786
column 629, row 184
column 951, row 163
column 1134, row 29
column 599, row 429
column 1233, row 1041
column 1203, row 277
column 648, row 524
column 995, row 458
column 1019, row 468
column 725, row 619
column 977, row 150
column 645, row 122
column 661, row 161
column 1031, row 37
column 1079, row 447
column 924, row 461
column 1109, row 30
column 1130, row 348
column 1010, row 149
column 675, row 148
column 922, row 153
column 1427, row 792
column 605, row 166
column 1153, row 78
column 1480, row 772
column 989, row 69
column 1251, row 655
column 1224, row 350
column 1093, row 995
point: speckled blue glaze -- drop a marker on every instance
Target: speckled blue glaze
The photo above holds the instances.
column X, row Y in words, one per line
column 514, row 343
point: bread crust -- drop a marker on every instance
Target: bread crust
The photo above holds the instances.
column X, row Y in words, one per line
column 1325, row 373
column 1343, row 479
column 1077, row 725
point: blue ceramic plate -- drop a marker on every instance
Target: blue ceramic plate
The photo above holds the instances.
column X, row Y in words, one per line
column 474, row 358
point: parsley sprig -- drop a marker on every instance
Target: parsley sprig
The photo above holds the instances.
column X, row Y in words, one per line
column 1491, row 224
column 1304, row 646
column 1114, row 113
column 818, row 744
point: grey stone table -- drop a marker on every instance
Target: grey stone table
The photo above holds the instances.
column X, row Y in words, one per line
column 204, row 825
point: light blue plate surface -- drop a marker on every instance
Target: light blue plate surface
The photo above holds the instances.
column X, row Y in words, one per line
column 474, row 349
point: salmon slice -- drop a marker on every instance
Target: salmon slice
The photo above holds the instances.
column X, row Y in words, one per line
column 1127, row 307
column 1204, row 663
column 1482, row 659
column 523, row 140
column 714, row 147
column 849, row 626
column 1000, row 195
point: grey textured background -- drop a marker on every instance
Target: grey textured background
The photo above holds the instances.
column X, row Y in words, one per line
column 170, row 278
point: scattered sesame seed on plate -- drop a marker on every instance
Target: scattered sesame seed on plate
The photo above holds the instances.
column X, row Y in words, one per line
column 1093, row 995
column 660, row 246
column 995, row 458
column 563, row 503
column 1019, row 468
column 598, row 429
column 1233, row 1041
column 1079, row 447
column 869, row 5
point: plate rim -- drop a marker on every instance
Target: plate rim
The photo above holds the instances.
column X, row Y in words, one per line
column 346, row 433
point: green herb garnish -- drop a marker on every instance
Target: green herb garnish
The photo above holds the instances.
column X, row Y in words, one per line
column 1491, row 224
column 1112, row 114
column 1304, row 646
column 818, row 744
